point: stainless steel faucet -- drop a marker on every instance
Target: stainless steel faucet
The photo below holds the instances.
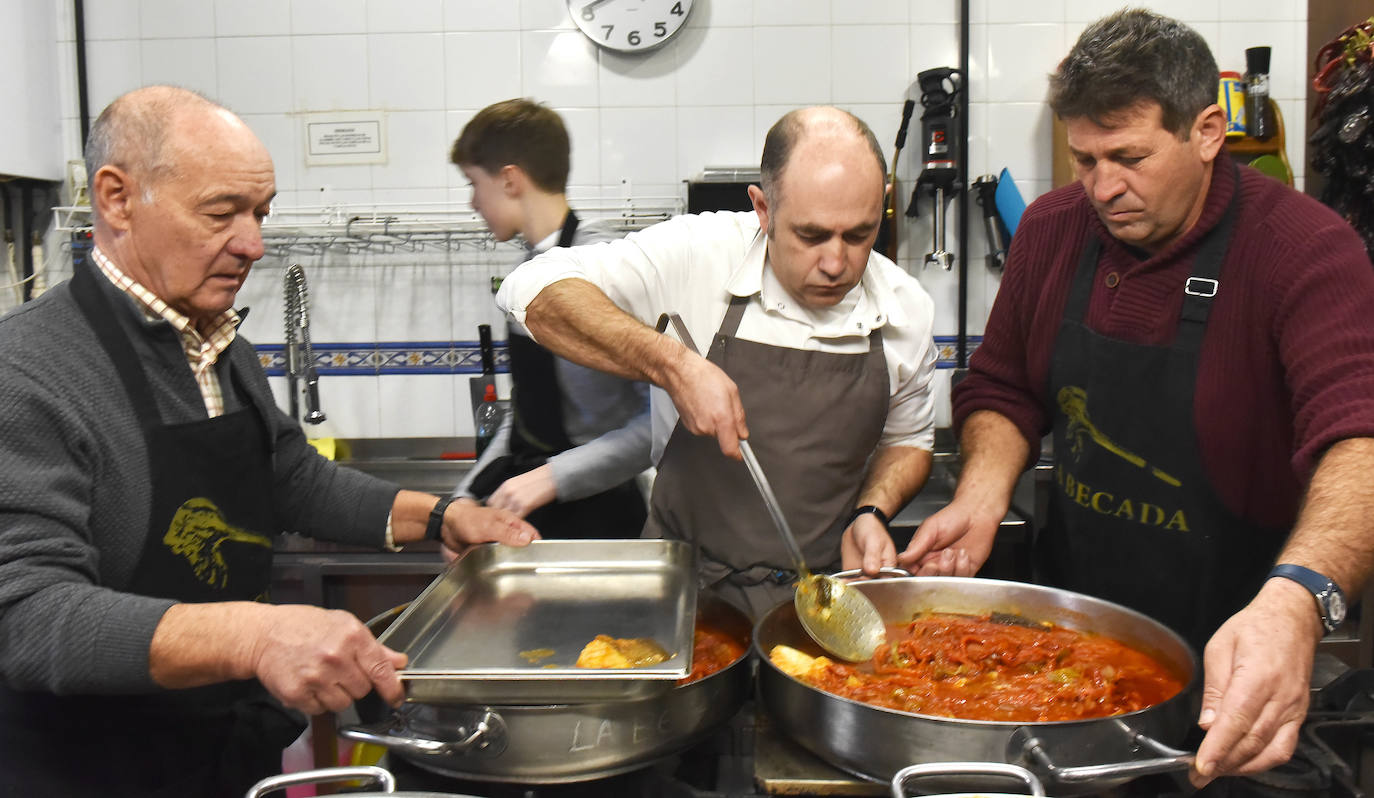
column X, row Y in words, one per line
column 300, row 358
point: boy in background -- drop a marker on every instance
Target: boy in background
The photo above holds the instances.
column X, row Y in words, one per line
column 567, row 454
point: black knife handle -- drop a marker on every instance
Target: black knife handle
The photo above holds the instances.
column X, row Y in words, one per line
column 484, row 346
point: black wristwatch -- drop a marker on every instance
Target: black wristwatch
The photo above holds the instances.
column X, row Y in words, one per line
column 868, row 508
column 435, row 529
column 1330, row 599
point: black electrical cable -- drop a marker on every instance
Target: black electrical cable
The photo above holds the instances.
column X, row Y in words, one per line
column 961, row 357
column 82, row 95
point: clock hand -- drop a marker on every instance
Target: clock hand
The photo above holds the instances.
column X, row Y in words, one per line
column 590, row 7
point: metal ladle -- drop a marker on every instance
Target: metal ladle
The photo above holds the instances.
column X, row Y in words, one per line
column 839, row 618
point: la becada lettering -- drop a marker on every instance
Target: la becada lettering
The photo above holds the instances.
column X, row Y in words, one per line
column 606, row 731
column 1126, row 509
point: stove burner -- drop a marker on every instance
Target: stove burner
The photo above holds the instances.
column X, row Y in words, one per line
column 1335, row 752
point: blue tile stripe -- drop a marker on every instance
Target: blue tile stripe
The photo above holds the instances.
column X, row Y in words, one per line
column 392, row 357
column 451, row 357
column 948, row 348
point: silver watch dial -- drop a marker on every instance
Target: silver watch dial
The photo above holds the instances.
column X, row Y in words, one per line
column 1335, row 608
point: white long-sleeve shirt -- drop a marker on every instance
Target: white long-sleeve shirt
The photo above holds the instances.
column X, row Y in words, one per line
column 694, row 264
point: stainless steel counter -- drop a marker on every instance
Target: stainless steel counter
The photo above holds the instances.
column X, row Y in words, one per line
column 432, row 465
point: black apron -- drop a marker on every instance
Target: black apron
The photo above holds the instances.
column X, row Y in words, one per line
column 814, row 420
column 537, row 433
column 207, row 540
column 1134, row 518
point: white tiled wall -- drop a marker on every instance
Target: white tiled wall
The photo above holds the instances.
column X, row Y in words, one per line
column 640, row 124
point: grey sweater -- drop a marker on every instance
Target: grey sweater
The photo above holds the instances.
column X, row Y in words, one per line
column 75, row 491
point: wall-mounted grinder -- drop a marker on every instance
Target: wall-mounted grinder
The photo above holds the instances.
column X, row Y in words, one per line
column 940, row 149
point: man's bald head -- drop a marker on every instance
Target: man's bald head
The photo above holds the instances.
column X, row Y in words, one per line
column 180, row 187
column 821, row 125
column 133, row 132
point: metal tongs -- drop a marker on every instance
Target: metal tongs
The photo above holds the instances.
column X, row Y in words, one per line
column 839, row 618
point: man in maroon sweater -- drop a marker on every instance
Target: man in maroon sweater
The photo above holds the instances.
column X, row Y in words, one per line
column 1199, row 339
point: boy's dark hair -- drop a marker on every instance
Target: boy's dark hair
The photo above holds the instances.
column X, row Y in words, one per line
column 1136, row 56
column 520, row 132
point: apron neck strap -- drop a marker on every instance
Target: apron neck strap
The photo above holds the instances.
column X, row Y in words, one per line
column 565, row 236
column 100, row 314
column 733, row 314
column 1204, row 282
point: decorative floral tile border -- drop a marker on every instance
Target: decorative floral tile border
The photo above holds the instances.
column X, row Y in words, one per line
column 420, row 357
column 453, row 357
column 947, row 347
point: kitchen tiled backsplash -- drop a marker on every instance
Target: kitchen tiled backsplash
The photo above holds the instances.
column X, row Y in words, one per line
column 421, row 387
column 639, row 125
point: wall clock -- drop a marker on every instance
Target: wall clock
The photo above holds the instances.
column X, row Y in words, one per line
column 630, row 26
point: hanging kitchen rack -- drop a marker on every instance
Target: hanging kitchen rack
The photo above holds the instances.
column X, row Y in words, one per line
column 378, row 228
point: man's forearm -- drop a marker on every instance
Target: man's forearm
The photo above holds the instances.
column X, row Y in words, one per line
column 895, row 475
column 1332, row 534
column 575, row 320
column 992, row 456
column 200, row 644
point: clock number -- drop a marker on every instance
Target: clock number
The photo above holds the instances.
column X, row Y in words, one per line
column 660, row 30
column 676, row 9
column 608, row 29
column 633, row 38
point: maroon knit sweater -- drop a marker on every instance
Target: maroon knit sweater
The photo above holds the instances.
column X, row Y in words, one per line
column 1287, row 365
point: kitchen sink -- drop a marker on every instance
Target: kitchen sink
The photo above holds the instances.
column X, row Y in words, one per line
column 432, row 465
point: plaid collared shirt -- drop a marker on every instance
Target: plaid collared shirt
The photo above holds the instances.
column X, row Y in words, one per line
column 202, row 351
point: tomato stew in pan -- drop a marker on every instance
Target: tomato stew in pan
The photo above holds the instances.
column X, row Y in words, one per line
column 992, row 668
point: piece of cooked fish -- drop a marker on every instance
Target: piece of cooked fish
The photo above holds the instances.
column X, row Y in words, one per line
column 796, row 664
column 605, row 651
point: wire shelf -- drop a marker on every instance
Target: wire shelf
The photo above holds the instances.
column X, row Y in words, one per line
column 384, row 229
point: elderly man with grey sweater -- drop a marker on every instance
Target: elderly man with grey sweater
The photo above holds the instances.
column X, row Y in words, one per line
column 144, row 469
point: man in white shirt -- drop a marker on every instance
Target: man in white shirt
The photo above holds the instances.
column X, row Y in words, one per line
column 826, row 346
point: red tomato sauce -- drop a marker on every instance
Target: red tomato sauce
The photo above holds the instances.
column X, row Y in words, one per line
column 712, row 650
column 974, row 668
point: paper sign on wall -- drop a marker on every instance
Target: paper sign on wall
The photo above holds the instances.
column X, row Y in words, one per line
column 345, row 138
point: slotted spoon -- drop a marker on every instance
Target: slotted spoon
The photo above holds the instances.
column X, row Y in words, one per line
column 839, row 618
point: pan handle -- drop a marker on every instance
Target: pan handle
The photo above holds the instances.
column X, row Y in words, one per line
column 964, row 769
column 484, row 735
column 381, row 777
column 886, row 570
column 1024, row 744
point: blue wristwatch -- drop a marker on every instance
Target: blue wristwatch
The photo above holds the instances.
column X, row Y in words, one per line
column 1330, row 599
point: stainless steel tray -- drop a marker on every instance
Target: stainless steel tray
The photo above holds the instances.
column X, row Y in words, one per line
column 472, row 636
